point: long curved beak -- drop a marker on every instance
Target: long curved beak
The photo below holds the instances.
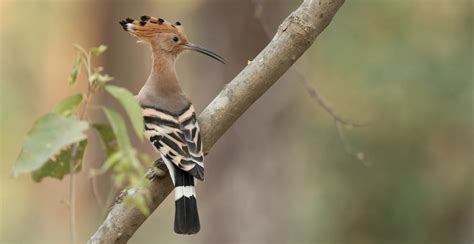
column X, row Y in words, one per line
column 204, row 51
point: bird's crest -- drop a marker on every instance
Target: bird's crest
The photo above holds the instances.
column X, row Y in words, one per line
column 147, row 27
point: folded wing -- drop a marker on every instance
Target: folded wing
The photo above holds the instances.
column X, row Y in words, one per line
column 177, row 138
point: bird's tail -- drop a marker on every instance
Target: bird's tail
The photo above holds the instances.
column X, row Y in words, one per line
column 186, row 220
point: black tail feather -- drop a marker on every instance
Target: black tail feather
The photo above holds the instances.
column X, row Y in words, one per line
column 186, row 220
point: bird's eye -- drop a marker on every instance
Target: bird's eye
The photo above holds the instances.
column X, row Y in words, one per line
column 175, row 39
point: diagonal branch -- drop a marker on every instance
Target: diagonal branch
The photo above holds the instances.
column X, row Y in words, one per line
column 294, row 36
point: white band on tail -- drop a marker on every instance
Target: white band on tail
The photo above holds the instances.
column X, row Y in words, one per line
column 186, row 191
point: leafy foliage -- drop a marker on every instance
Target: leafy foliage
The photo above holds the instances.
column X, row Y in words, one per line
column 107, row 138
column 95, row 76
column 97, row 79
column 129, row 103
column 96, row 51
column 119, row 129
column 57, row 140
column 125, row 163
column 68, row 105
column 76, row 68
column 59, row 166
column 50, row 134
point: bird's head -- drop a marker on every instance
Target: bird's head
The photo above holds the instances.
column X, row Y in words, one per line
column 163, row 36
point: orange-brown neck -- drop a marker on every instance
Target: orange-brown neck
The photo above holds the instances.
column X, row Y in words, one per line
column 163, row 80
column 162, row 90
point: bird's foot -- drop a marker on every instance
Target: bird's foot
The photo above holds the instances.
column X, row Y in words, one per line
column 156, row 171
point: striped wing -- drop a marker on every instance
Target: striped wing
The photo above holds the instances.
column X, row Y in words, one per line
column 177, row 138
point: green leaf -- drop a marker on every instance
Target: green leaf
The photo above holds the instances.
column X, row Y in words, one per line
column 58, row 166
column 68, row 105
column 98, row 50
column 131, row 106
column 104, row 78
column 97, row 79
column 76, row 68
column 119, row 129
column 107, row 137
column 51, row 133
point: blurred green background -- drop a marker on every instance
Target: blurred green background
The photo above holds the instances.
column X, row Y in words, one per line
column 281, row 174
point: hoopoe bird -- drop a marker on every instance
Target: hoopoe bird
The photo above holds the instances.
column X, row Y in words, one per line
column 169, row 117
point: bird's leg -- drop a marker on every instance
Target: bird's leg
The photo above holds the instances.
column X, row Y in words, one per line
column 157, row 170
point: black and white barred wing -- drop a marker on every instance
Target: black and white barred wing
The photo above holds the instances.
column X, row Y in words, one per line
column 192, row 137
column 177, row 138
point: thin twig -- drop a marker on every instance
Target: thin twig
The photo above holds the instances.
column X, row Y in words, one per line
column 314, row 93
column 95, row 191
column 72, row 196
column 94, row 173
column 348, row 148
column 73, row 165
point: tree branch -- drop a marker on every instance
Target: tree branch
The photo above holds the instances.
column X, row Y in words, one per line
column 294, row 36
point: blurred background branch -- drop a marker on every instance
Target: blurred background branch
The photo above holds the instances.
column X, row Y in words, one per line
column 294, row 36
column 340, row 122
